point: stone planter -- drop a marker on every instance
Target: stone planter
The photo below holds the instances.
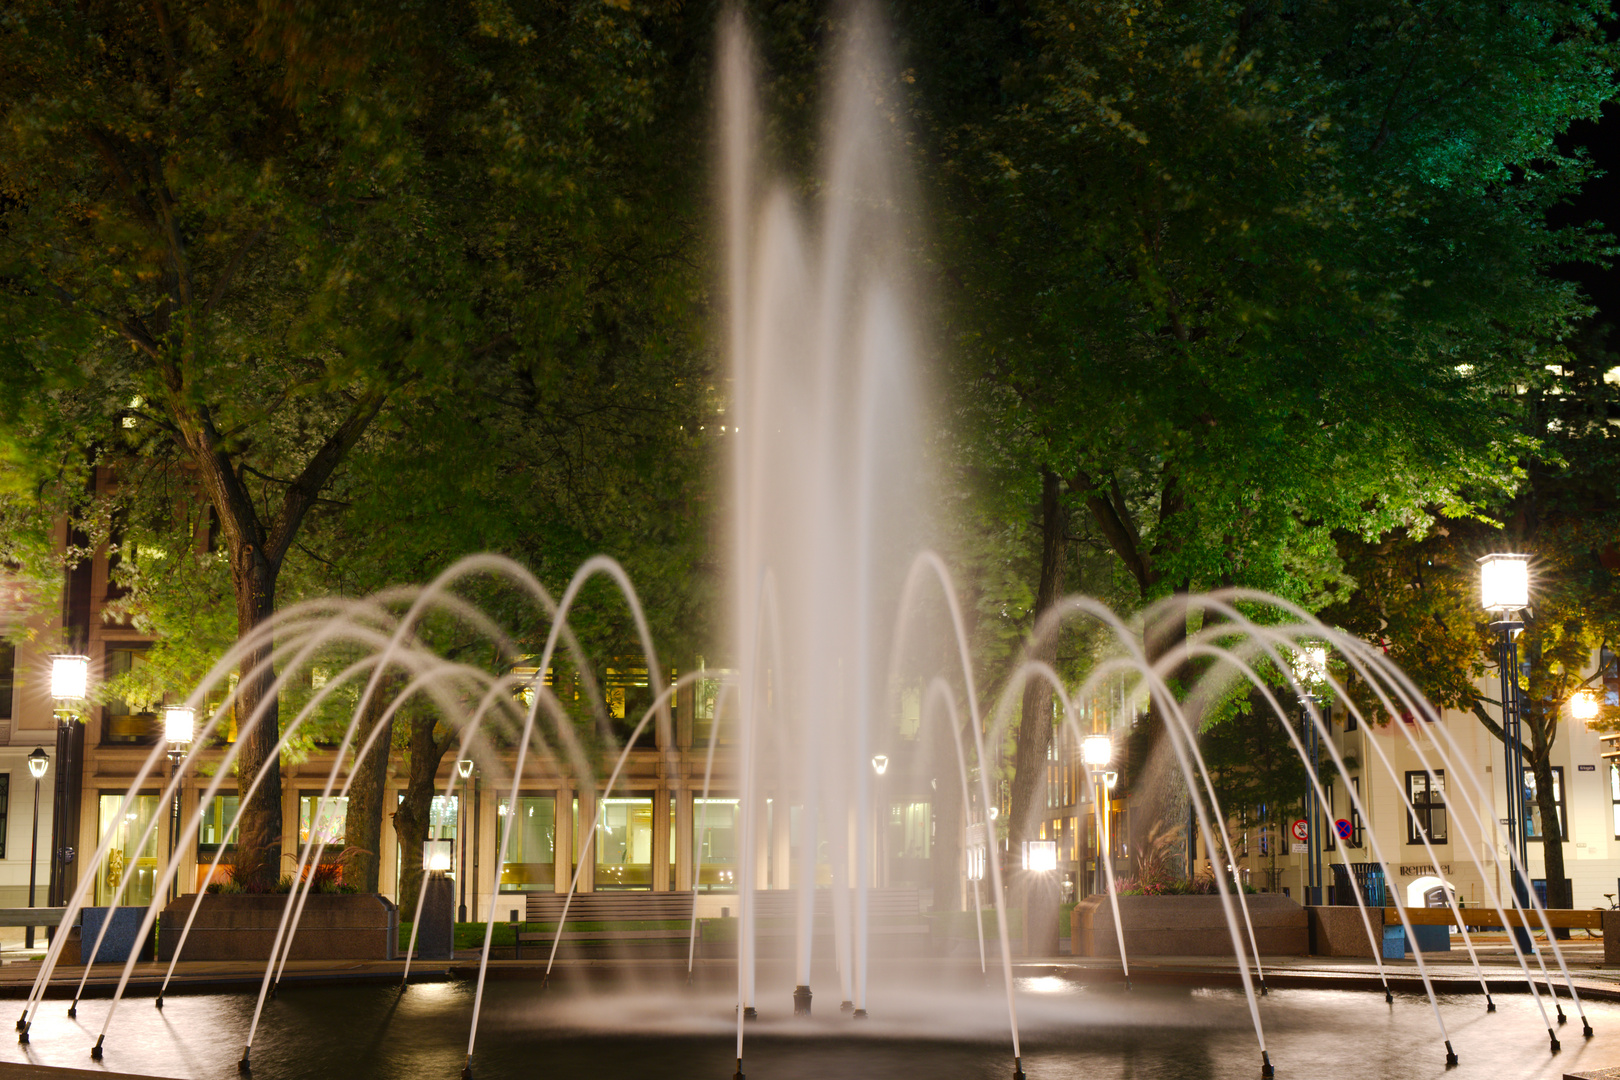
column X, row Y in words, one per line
column 240, row 926
column 1187, row 926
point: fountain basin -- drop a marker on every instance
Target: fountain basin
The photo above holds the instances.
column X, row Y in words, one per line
column 1186, row 926
column 241, row 926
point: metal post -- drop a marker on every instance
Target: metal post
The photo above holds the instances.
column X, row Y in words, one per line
column 1507, row 663
column 461, row 834
column 33, row 866
column 55, row 892
column 174, row 823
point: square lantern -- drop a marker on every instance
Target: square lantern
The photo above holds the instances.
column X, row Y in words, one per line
column 1504, row 582
column 1097, row 750
column 1584, row 706
column 179, row 725
column 1040, row 855
column 70, row 677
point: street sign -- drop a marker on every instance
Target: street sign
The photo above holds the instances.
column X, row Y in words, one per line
column 1342, row 827
column 1302, row 830
column 1299, row 849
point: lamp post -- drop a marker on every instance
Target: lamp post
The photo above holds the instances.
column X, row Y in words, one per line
column 70, row 685
column 880, row 765
column 38, row 762
column 1096, row 751
column 1310, row 670
column 179, row 728
column 1504, row 590
column 464, row 768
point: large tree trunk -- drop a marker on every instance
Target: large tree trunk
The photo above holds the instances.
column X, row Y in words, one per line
column 362, row 825
column 1552, row 838
column 258, row 864
column 1035, row 723
column 412, row 819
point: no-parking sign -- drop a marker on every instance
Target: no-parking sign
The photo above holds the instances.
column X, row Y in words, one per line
column 1302, row 830
column 1342, row 827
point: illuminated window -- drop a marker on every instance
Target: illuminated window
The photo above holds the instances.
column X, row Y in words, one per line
column 716, row 825
column 321, row 819
column 1532, row 809
column 531, row 853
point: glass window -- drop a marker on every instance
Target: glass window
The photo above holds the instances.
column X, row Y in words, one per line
column 121, row 723
column 219, row 816
column 706, row 695
column 8, row 678
column 321, row 820
column 716, row 825
column 5, row 807
column 1614, row 797
column 909, row 840
column 623, row 844
column 531, row 853
column 1329, row 831
column 1429, row 807
column 1355, row 815
column 1532, row 809
column 123, row 860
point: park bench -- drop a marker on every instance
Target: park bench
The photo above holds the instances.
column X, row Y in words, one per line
column 890, row 912
column 608, row 918
column 1480, row 918
column 31, row 916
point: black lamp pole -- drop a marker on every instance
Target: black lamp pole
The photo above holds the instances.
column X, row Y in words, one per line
column 37, row 763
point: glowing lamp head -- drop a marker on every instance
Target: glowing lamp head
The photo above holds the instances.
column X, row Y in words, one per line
column 179, row 725
column 1097, row 750
column 1504, row 582
column 439, row 859
column 70, row 677
column 38, row 762
column 1584, row 706
column 1040, row 855
column 1310, row 664
column 464, row 768
column 880, row 764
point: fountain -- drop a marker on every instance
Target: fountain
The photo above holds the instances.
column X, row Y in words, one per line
column 836, row 607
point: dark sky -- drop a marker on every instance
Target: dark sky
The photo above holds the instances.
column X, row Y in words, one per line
column 1599, row 200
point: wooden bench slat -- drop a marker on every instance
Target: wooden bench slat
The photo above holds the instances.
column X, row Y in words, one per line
column 1487, row 918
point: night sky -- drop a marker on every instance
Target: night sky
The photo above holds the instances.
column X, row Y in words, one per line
column 1600, row 201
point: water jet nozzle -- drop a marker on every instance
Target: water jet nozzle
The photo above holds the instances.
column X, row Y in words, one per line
column 860, row 1014
column 1451, row 1055
column 1553, row 1039
column 801, row 1000
column 738, row 1075
column 1018, row 1068
column 22, row 1035
column 466, row 1070
column 1263, row 991
column 749, row 1013
column 846, row 1006
column 242, row 1066
column 95, row 1051
column 1586, row 1027
column 1562, row 1019
column 1389, row 998
column 22, row 1022
column 159, row 1001
column 1266, row 1071
column 73, row 1009
column 1490, row 1006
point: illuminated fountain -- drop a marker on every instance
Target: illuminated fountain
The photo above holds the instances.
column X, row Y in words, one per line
column 836, row 606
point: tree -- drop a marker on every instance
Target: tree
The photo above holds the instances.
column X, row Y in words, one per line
column 1243, row 276
column 1417, row 593
column 240, row 237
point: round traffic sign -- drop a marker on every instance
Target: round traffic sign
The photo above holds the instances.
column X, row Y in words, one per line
column 1342, row 827
column 1302, row 831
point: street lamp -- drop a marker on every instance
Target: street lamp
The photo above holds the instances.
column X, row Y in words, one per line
column 880, row 765
column 1097, row 751
column 38, row 762
column 1504, row 590
column 70, row 685
column 1584, row 706
column 179, row 728
column 464, row 768
column 1310, row 664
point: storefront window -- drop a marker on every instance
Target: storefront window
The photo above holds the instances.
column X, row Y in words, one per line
column 321, row 820
column 715, row 829
column 216, row 821
column 623, row 845
column 531, row 853
column 909, row 841
column 123, row 859
column 121, row 723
